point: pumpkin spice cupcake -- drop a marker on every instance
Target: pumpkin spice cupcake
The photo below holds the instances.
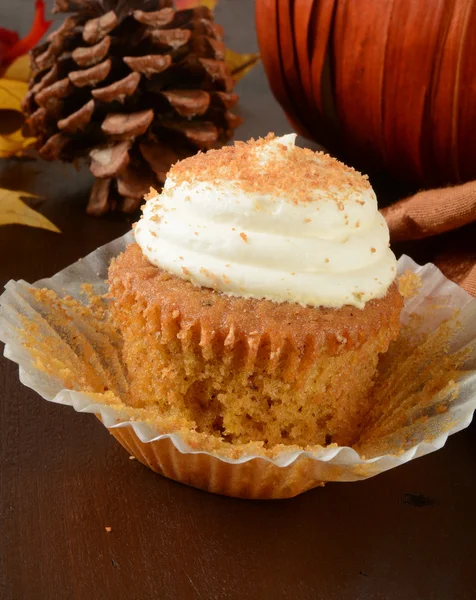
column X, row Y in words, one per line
column 258, row 296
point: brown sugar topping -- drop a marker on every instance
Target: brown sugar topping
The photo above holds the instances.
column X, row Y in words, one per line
column 253, row 171
column 151, row 194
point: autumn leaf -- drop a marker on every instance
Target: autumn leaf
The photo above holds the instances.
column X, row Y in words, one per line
column 184, row 4
column 19, row 70
column 240, row 64
column 12, row 47
column 14, row 210
column 13, row 87
column 15, row 72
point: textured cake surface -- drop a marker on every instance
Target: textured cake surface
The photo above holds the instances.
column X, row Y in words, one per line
column 246, row 369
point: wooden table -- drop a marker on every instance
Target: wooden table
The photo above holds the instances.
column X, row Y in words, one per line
column 408, row 534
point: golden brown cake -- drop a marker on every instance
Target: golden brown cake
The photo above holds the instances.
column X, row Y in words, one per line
column 260, row 297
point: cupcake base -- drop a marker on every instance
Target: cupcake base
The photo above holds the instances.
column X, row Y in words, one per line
column 247, row 370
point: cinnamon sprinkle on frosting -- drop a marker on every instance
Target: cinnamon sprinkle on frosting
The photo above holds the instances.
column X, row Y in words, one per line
column 242, row 165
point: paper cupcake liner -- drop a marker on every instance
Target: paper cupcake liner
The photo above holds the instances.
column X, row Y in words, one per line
column 257, row 479
column 249, row 475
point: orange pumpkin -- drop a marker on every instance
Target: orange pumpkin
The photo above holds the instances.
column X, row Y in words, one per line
column 384, row 84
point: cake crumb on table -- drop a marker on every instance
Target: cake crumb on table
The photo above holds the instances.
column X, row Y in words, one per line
column 108, row 529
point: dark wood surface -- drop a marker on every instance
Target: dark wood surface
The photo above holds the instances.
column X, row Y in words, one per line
column 408, row 534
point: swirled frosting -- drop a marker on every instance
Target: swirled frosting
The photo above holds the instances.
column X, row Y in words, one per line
column 267, row 219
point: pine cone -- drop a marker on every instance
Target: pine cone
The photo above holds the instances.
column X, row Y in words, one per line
column 132, row 86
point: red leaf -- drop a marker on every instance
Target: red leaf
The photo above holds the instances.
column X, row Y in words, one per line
column 11, row 47
column 7, row 39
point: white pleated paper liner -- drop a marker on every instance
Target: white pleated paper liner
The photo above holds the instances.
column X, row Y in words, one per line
column 17, row 303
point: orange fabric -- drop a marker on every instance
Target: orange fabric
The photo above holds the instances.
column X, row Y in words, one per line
column 435, row 212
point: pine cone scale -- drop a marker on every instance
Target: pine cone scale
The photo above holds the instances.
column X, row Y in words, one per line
column 77, row 120
column 96, row 29
column 91, row 55
column 159, row 18
column 228, row 100
column 133, row 184
column 56, row 90
column 51, row 150
column 118, row 90
column 48, row 79
column 91, row 76
column 149, row 65
column 35, row 122
column 160, row 158
column 99, row 198
column 188, row 103
column 201, row 134
column 45, row 61
column 109, row 161
column 127, row 126
column 170, row 38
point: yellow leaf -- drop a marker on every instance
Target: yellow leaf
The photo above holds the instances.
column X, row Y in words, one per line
column 184, row 4
column 13, row 88
column 240, row 64
column 14, row 144
column 11, row 94
column 19, row 70
column 210, row 3
column 14, row 210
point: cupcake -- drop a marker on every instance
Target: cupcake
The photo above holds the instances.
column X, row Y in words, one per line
column 258, row 296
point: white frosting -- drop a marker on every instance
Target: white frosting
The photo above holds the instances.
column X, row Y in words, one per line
column 321, row 252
